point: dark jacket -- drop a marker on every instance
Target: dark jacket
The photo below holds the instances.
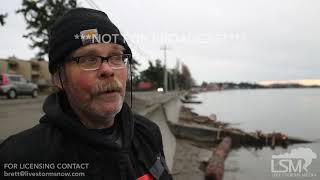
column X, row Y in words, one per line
column 131, row 150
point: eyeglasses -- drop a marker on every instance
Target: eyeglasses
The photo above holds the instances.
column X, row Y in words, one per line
column 91, row 62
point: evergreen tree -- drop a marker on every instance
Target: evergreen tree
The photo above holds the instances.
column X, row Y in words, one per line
column 39, row 16
column 2, row 17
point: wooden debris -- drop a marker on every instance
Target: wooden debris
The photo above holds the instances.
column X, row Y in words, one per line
column 190, row 102
column 256, row 139
column 215, row 166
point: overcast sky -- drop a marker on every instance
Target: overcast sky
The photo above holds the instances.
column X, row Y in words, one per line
column 220, row 40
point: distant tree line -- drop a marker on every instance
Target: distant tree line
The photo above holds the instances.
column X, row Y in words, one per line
column 246, row 85
column 177, row 79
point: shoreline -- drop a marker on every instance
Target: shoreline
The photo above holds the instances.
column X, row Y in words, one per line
column 197, row 135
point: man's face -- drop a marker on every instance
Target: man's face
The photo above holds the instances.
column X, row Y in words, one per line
column 96, row 94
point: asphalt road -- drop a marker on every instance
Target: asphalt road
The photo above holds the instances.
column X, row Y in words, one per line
column 24, row 112
column 19, row 114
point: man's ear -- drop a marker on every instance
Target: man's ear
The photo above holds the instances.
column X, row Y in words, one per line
column 57, row 80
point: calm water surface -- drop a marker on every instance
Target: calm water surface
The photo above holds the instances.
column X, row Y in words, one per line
column 295, row 112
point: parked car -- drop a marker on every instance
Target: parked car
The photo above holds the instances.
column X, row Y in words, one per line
column 13, row 85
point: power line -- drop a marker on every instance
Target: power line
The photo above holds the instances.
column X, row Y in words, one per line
column 138, row 49
column 93, row 5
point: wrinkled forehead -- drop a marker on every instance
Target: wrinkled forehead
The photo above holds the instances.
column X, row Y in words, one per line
column 98, row 49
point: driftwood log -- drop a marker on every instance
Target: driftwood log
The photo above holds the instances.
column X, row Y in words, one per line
column 215, row 165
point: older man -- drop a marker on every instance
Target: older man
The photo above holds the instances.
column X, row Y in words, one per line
column 87, row 130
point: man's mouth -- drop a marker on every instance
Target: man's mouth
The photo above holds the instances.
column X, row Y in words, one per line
column 112, row 94
column 110, row 91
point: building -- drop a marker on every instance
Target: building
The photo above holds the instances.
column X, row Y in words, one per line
column 32, row 70
column 144, row 86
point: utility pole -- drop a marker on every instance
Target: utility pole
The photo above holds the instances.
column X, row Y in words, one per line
column 177, row 70
column 165, row 78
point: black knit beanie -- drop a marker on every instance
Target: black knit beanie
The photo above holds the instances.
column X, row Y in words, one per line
column 79, row 27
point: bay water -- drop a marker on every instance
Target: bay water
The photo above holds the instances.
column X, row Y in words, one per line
column 295, row 112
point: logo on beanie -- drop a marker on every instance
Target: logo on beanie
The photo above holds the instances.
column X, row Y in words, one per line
column 91, row 36
column 88, row 36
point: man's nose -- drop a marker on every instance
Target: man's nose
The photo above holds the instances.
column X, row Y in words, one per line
column 105, row 70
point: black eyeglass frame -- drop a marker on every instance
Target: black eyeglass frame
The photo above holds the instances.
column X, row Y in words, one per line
column 102, row 59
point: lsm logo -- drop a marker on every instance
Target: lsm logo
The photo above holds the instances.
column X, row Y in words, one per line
column 293, row 164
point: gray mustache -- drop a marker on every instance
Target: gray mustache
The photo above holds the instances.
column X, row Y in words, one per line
column 113, row 85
